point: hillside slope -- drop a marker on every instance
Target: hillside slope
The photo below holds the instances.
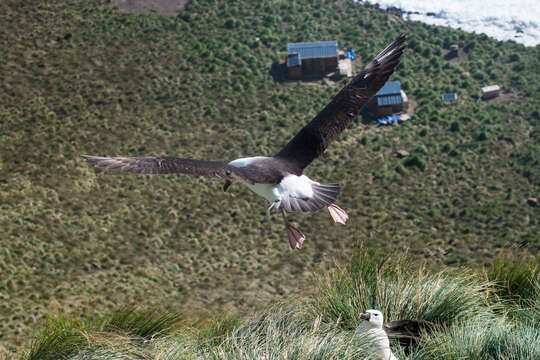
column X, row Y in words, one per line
column 81, row 77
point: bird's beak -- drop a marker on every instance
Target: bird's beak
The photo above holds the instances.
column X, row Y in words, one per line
column 226, row 186
column 365, row 316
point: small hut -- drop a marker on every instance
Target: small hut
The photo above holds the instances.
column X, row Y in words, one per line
column 491, row 91
column 449, row 98
column 390, row 99
column 311, row 58
column 454, row 50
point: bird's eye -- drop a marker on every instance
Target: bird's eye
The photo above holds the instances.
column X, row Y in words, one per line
column 228, row 172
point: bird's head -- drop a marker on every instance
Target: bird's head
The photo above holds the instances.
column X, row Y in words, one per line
column 373, row 318
column 230, row 175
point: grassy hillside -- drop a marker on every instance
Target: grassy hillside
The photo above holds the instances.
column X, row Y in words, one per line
column 475, row 316
column 80, row 77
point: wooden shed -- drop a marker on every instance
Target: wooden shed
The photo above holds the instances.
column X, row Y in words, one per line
column 390, row 99
column 311, row 58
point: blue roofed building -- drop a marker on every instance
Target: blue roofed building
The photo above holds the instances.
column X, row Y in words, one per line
column 311, row 58
column 449, row 98
column 390, row 99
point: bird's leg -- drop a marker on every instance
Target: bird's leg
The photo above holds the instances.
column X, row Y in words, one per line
column 295, row 236
column 338, row 214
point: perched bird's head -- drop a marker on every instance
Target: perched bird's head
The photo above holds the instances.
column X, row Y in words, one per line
column 373, row 318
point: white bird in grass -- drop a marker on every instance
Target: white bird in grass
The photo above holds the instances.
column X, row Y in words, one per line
column 280, row 178
column 373, row 326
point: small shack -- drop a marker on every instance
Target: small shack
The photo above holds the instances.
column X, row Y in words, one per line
column 311, row 58
column 390, row 99
column 454, row 50
column 449, row 98
column 491, row 91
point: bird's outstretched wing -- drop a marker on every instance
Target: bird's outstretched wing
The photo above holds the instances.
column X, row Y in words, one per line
column 313, row 139
column 167, row 165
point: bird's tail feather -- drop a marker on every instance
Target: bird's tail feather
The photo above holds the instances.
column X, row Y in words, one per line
column 324, row 195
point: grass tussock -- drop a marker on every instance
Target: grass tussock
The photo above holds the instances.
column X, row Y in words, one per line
column 141, row 323
column 400, row 290
column 120, row 330
column 288, row 332
column 516, row 279
column 517, row 283
column 478, row 326
column 481, row 340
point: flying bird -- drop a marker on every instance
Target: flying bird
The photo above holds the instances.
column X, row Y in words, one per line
column 279, row 178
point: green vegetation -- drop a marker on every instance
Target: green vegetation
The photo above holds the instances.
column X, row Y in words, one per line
column 79, row 77
column 62, row 338
column 473, row 323
column 401, row 290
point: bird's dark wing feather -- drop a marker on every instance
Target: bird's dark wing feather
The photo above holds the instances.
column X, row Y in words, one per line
column 167, row 165
column 409, row 332
column 313, row 139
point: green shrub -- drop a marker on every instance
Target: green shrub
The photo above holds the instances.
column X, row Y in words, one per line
column 415, row 160
column 454, row 126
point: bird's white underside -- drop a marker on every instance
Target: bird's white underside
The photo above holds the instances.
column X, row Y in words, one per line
column 290, row 185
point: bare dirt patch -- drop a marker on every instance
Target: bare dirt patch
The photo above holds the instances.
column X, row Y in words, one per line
column 160, row 7
column 503, row 97
column 412, row 106
column 456, row 59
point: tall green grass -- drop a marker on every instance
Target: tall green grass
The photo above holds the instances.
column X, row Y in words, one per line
column 63, row 338
column 481, row 340
column 516, row 279
column 288, row 332
column 517, row 283
column 400, row 290
column 284, row 332
column 478, row 324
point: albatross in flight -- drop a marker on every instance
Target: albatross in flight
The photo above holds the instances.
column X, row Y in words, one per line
column 279, row 178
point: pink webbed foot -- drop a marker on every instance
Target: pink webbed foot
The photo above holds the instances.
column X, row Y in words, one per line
column 296, row 238
column 338, row 214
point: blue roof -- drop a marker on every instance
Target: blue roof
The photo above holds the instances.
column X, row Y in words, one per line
column 390, row 88
column 449, row 97
column 321, row 49
column 386, row 100
column 293, row 60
